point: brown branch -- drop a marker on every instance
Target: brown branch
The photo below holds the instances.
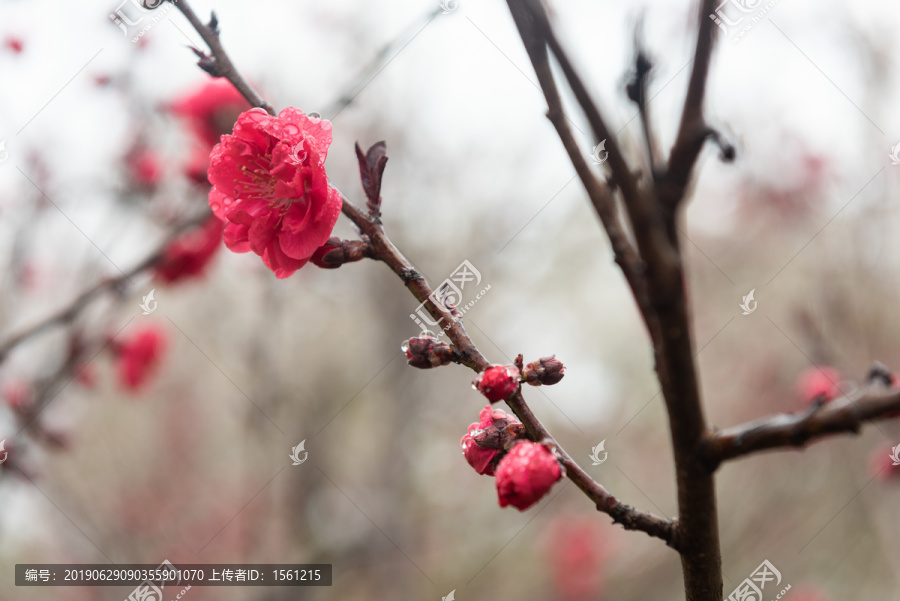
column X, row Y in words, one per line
column 697, row 527
column 784, row 431
column 692, row 131
column 220, row 64
column 601, row 196
column 383, row 250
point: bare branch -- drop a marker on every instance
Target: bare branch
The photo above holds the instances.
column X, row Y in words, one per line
column 693, row 131
column 219, row 64
column 469, row 355
column 786, row 431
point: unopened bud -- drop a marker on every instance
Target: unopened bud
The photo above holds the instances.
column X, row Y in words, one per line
column 546, row 370
column 335, row 252
column 425, row 352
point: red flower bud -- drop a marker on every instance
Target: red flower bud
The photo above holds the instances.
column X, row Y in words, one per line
column 486, row 442
column 818, row 382
column 425, row 352
column 335, row 252
column 526, row 474
column 546, row 370
column 497, row 382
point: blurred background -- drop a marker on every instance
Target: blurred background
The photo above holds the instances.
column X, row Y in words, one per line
column 134, row 438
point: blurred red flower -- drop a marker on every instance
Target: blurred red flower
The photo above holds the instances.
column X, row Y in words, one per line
column 817, row 381
column 16, row 393
column 189, row 254
column 139, row 356
column 14, row 43
column 526, row 474
column 210, row 111
column 144, row 167
column 577, row 548
column 271, row 190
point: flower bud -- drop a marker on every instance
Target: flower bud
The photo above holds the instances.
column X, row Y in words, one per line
column 497, row 382
column 425, row 352
column 485, row 442
column 546, row 370
column 335, row 252
column 526, row 474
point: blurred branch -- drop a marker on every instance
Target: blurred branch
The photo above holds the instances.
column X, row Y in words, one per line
column 693, row 130
column 115, row 284
column 785, row 431
column 376, row 65
column 601, row 195
column 219, row 64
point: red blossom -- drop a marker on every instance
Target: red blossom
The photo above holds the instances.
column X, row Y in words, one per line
column 189, row 254
column 577, row 549
column 497, row 382
column 526, row 474
column 139, row 356
column 490, row 422
column 271, row 190
column 16, row 393
column 86, row 375
column 818, row 381
column 145, row 167
column 14, row 43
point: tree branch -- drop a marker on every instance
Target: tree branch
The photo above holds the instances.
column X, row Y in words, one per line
column 83, row 300
column 220, row 65
column 383, row 250
column 693, row 131
column 697, row 528
column 785, row 431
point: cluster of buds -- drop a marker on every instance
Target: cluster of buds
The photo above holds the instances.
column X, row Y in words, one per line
column 425, row 352
column 497, row 446
column 545, row 371
column 486, row 442
column 335, row 252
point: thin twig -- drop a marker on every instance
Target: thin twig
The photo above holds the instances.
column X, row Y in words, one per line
column 223, row 65
column 71, row 311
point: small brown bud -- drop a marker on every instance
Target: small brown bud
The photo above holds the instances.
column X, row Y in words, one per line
column 425, row 352
column 546, row 370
